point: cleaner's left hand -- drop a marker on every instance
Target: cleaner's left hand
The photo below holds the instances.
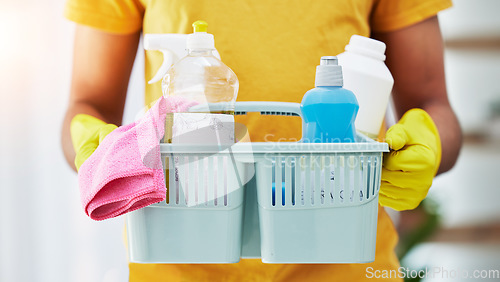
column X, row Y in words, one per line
column 408, row 170
column 87, row 132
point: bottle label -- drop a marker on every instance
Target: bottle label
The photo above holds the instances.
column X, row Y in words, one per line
column 202, row 128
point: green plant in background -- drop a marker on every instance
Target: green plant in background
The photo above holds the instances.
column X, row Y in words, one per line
column 428, row 223
column 494, row 108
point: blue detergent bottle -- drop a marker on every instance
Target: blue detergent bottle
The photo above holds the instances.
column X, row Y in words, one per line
column 328, row 110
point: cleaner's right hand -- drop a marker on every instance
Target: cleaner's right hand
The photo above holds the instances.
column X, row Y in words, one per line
column 87, row 132
column 408, row 170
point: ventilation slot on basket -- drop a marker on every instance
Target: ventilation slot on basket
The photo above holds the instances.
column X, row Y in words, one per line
column 269, row 113
column 375, row 181
column 283, row 181
column 196, row 180
column 370, row 176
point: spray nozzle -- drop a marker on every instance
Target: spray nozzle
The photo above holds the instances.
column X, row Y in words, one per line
column 172, row 46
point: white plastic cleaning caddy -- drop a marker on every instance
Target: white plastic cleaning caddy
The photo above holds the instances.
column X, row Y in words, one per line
column 286, row 202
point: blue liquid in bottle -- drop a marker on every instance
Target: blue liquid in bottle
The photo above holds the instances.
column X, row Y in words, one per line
column 329, row 111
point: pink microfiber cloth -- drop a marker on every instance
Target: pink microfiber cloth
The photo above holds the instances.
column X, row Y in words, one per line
column 125, row 172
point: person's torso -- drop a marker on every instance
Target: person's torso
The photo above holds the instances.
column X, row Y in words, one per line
column 274, row 48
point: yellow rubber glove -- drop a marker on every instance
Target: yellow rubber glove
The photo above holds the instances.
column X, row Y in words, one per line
column 86, row 134
column 408, row 170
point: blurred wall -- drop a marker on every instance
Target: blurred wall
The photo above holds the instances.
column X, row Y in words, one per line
column 469, row 238
column 471, row 31
column 44, row 234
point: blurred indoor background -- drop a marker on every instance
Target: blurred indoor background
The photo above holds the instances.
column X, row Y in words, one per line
column 45, row 235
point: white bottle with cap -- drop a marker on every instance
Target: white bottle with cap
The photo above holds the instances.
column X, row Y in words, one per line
column 204, row 92
column 366, row 74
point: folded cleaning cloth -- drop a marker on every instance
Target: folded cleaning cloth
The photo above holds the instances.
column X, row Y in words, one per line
column 125, row 172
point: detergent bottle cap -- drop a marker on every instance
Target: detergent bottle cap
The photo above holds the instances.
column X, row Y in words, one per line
column 366, row 46
column 200, row 39
column 329, row 73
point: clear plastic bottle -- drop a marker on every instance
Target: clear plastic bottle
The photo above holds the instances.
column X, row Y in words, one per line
column 366, row 74
column 203, row 82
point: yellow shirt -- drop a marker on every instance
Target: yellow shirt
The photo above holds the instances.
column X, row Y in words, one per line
column 273, row 47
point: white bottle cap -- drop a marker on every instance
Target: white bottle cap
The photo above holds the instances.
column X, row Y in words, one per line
column 329, row 73
column 200, row 39
column 366, row 46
